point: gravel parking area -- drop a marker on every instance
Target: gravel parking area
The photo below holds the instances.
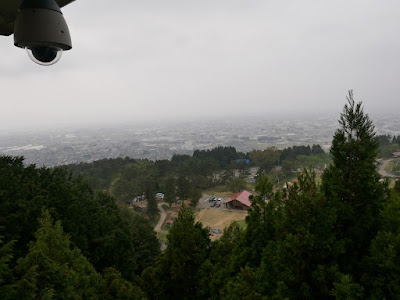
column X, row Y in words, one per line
column 205, row 203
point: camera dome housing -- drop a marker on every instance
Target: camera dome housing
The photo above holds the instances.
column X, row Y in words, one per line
column 40, row 27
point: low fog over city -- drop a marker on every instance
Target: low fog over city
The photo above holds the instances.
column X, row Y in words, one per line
column 161, row 140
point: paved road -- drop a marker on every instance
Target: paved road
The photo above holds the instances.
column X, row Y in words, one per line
column 162, row 219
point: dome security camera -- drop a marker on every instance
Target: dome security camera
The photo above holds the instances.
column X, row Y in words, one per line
column 41, row 29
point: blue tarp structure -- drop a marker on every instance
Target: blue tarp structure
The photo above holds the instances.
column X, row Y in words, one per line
column 243, row 160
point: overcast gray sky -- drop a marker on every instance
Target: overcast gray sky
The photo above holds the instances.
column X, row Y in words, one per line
column 161, row 59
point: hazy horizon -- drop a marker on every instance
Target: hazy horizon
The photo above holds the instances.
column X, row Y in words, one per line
column 267, row 119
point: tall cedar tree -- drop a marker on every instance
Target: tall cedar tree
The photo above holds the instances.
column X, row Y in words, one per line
column 152, row 209
column 297, row 263
column 170, row 191
column 176, row 274
column 7, row 289
column 352, row 183
column 114, row 286
column 194, row 196
column 182, row 187
column 52, row 269
column 382, row 276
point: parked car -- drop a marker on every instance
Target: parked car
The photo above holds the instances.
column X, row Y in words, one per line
column 218, row 205
column 212, row 198
column 213, row 204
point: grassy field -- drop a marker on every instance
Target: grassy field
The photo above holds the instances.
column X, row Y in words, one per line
column 218, row 190
column 393, row 166
column 219, row 219
column 242, row 224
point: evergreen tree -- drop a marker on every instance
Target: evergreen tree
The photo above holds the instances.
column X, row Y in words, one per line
column 114, row 286
column 264, row 186
column 152, row 209
column 93, row 220
column 227, row 175
column 352, row 182
column 396, row 187
column 261, row 227
column 241, row 287
column 182, row 187
column 236, row 184
column 316, row 150
column 51, row 269
column 384, row 140
column 381, row 276
column 144, row 240
column 176, row 274
column 7, row 289
column 170, row 191
column 124, row 190
column 194, row 196
column 298, row 261
column 396, row 140
column 216, row 270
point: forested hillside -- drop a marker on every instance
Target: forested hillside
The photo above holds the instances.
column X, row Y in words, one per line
column 338, row 239
column 108, row 236
column 185, row 175
column 388, row 145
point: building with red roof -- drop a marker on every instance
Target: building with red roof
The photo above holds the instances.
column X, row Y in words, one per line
column 239, row 200
column 170, row 222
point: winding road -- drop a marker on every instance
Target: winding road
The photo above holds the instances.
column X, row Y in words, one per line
column 162, row 218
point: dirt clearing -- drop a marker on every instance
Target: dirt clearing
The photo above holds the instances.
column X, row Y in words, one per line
column 219, row 219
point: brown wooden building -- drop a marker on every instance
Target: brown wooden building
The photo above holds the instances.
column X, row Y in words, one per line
column 239, row 200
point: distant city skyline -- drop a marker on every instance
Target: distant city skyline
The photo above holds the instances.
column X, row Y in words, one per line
column 182, row 60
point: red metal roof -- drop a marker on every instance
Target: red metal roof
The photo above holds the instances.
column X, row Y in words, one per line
column 242, row 197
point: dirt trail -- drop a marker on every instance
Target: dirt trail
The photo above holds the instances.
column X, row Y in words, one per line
column 381, row 168
column 162, row 219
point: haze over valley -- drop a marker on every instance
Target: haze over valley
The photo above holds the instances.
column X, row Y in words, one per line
column 161, row 139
